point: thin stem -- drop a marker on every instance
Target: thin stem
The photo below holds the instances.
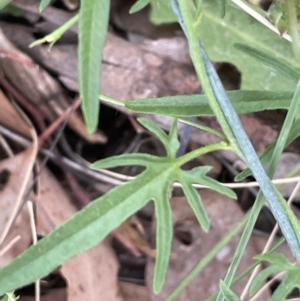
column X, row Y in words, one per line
column 203, row 150
column 204, row 128
column 56, row 34
column 252, row 12
column 111, row 100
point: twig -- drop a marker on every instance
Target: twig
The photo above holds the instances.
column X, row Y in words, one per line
column 34, row 240
column 9, row 245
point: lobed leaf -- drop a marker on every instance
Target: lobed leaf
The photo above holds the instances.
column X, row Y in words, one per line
column 279, row 65
column 261, row 277
column 87, row 228
column 276, row 259
column 287, row 285
column 219, row 35
column 279, row 264
column 93, row 22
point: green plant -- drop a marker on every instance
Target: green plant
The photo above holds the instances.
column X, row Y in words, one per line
column 107, row 212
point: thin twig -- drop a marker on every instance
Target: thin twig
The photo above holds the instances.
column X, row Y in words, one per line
column 268, row 244
column 9, row 245
column 114, row 178
column 22, row 188
column 260, row 18
column 34, row 240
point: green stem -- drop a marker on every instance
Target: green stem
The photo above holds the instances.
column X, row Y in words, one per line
column 192, row 35
column 203, row 150
column 56, row 34
column 111, row 100
column 204, row 128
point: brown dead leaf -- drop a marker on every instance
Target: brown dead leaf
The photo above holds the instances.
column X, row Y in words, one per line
column 54, row 294
column 14, row 174
column 40, row 88
column 191, row 244
column 10, row 118
column 134, row 292
column 136, row 238
column 91, row 275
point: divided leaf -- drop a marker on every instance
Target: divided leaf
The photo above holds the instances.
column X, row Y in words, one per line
column 219, row 35
column 89, row 226
column 279, row 65
column 279, row 264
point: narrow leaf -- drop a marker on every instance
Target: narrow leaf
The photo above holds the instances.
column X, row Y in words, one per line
column 283, row 290
column 195, row 202
column 228, row 293
column 138, row 5
column 173, row 140
column 164, row 234
column 198, row 175
column 126, row 160
column 276, row 259
column 93, row 22
column 44, row 4
column 155, row 129
column 261, row 277
column 197, row 105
